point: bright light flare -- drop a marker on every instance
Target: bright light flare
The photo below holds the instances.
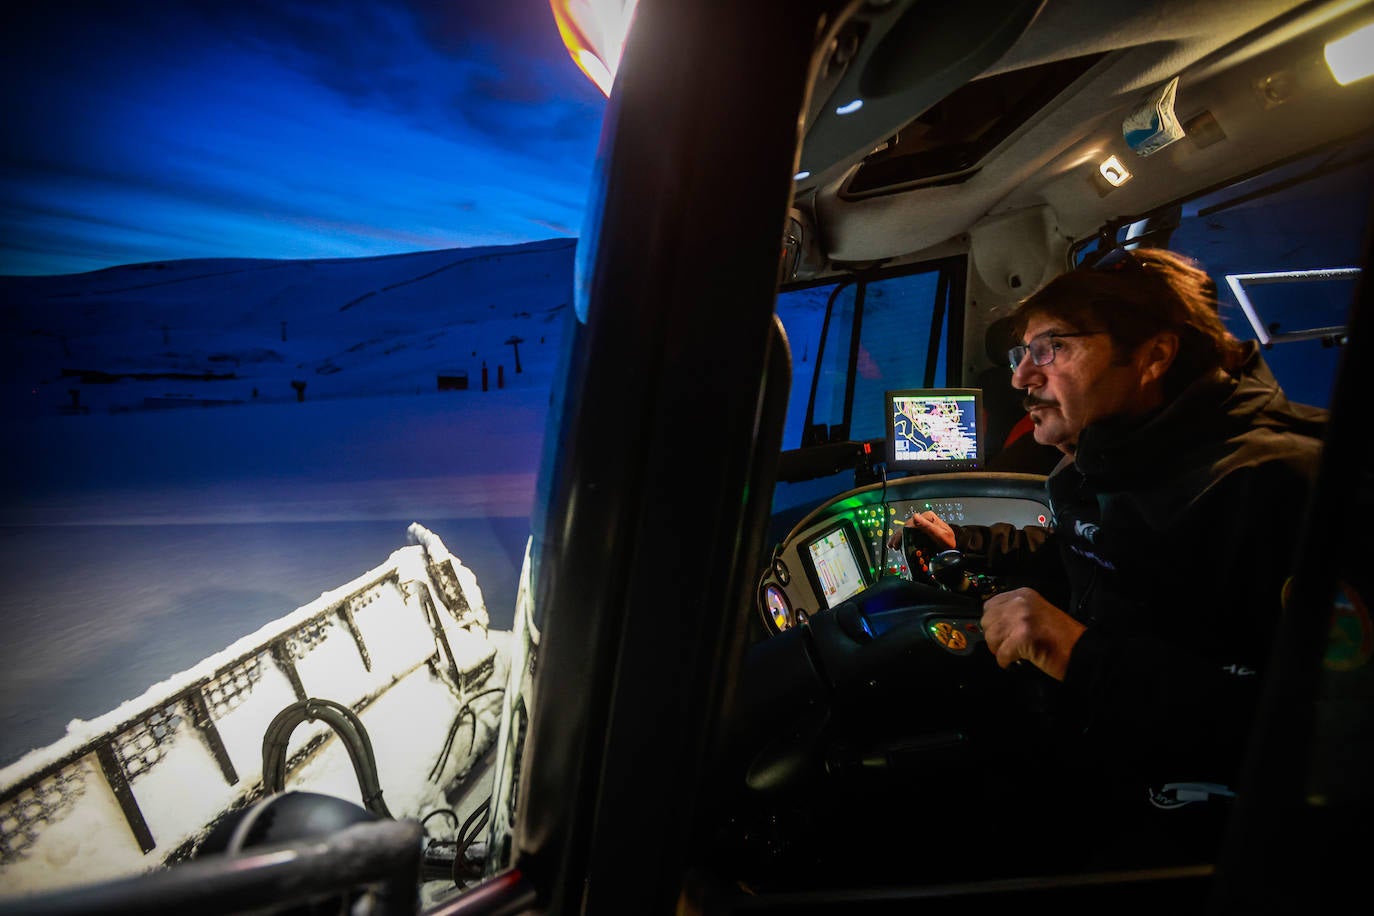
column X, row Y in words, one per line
column 1352, row 58
column 595, row 69
column 594, row 33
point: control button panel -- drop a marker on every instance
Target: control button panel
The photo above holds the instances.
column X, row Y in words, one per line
column 955, row 635
column 875, row 524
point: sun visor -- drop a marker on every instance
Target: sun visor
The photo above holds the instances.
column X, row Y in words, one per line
column 1016, row 253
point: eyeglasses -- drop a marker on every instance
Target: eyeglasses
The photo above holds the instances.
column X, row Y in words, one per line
column 1118, row 260
column 1043, row 347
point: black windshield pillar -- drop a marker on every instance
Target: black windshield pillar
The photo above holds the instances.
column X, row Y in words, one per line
column 650, row 531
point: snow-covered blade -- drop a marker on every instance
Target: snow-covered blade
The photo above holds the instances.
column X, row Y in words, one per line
column 406, row 646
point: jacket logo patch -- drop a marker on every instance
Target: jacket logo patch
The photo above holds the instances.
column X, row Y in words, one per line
column 1178, row 794
column 1086, row 530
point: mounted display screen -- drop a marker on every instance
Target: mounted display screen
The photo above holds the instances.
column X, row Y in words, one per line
column 935, row 429
column 836, row 570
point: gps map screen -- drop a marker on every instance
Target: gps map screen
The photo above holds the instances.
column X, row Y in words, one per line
column 936, row 427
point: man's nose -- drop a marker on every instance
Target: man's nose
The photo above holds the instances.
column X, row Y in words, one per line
column 1024, row 373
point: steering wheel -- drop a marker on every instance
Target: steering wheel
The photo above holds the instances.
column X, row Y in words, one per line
column 869, row 711
column 860, row 669
column 877, row 712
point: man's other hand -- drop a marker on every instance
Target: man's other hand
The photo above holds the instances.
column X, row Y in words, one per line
column 931, row 529
column 1021, row 624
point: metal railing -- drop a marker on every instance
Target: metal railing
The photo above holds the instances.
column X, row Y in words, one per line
column 128, row 751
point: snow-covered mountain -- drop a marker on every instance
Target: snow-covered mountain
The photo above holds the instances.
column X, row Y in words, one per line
column 234, row 331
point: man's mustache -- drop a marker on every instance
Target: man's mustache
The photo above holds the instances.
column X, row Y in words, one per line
column 1031, row 401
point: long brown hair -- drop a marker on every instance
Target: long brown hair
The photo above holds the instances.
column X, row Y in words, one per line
column 1133, row 294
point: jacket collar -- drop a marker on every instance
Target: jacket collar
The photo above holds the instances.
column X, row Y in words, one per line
column 1213, row 406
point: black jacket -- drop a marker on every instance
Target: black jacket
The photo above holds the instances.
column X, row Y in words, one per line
column 1176, row 534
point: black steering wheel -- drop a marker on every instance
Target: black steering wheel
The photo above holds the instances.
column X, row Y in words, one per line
column 860, row 672
column 859, row 713
column 879, row 711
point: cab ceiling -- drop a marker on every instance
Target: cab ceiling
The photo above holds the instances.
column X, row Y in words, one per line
column 1117, row 52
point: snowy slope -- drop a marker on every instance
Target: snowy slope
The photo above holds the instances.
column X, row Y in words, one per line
column 221, row 330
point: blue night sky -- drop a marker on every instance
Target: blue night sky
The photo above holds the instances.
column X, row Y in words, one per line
column 160, row 130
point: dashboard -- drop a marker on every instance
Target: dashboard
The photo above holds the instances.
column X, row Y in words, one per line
column 840, row 548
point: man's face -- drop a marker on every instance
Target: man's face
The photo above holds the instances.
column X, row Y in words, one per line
column 1082, row 385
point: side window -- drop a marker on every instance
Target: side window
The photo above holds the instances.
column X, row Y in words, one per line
column 894, row 346
column 803, row 313
column 1304, row 226
column 896, row 317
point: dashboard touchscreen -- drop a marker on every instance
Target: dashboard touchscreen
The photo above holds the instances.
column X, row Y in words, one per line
column 835, row 559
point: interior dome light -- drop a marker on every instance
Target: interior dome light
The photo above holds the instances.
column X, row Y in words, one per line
column 1115, row 173
column 802, row 175
column 1352, row 57
column 850, row 107
column 594, row 33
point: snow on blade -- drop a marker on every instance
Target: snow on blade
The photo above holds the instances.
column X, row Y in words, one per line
column 405, row 645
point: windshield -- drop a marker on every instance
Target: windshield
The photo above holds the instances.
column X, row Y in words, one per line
column 279, row 338
column 903, row 322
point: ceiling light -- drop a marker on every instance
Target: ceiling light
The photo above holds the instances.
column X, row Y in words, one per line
column 1352, row 57
column 850, row 107
column 802, row 175
column 1115, row 173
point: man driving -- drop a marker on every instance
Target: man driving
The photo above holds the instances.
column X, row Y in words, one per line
column 1176, row 510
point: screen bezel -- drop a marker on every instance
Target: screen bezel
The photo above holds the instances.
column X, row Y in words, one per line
column 858, row 550
column 944, row 465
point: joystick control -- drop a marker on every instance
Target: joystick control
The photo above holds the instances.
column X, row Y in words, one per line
column 947, row 569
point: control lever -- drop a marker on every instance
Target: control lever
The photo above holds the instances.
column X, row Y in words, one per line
column 947, row 569
column 920, row 549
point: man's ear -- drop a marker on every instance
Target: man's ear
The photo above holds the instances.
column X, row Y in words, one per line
column 1157, row 354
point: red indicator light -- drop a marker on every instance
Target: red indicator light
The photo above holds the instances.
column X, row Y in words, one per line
column 868, row 448
column 1042, row 519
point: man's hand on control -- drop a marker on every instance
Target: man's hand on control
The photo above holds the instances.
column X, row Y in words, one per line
column 1021, row 624
column 934, row 529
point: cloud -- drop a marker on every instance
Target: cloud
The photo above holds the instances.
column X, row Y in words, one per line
column 266, row 129
column 556, row 227
column 504, row 60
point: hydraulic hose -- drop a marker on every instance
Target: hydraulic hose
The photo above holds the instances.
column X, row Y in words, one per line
column 350, row 731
